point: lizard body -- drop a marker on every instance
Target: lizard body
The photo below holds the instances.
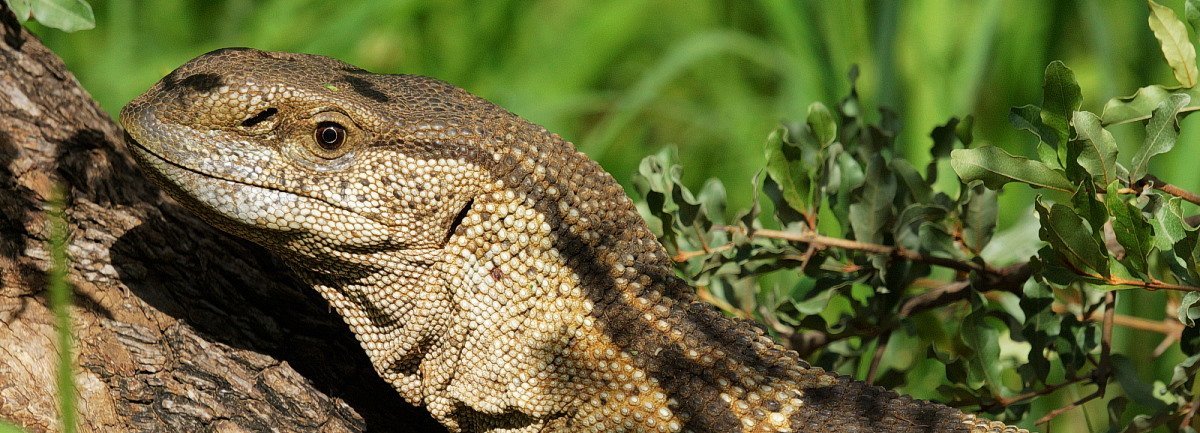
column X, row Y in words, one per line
column 493, row 274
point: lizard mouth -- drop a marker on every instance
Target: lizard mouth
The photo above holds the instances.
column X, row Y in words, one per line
column 161, row 167
column 157, row 162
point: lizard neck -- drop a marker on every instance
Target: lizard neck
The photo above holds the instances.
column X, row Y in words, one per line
column 395, row 325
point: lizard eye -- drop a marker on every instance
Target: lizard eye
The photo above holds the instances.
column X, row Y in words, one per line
column 330, row 135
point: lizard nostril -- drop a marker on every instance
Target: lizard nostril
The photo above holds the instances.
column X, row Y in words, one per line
column 260, row 117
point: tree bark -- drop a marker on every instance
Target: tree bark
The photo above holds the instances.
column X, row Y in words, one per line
column 178, row 327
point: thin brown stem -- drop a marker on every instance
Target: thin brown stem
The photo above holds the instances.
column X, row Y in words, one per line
column 1105, row 366
column 1189, row 413
column 1002, row 402
column 1176, row 191
column 1166, row 327
column 684, row 256
column 706, row 295
column 880, row 347
column 1056, row 412
column 820, row 240
column 1151, row 285
column 816, row 241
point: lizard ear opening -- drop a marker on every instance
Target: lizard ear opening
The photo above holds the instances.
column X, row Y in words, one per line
column 458, row 219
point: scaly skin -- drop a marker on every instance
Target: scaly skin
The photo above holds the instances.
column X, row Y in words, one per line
column 492, row 273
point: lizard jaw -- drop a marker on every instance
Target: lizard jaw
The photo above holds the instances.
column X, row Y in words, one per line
column 260, row 213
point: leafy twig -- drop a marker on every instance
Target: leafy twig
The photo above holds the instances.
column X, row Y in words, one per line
column 1150, row 285
column 1103, row 370
column 1056, row 412
column 1168, row 327
column 1003, row 402
column 813, row 238
column 1168, row 188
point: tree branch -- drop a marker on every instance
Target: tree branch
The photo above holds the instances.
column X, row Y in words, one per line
column 1160, row 185
column 822, row 241
column 178, row 327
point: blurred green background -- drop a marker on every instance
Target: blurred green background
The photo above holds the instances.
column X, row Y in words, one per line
column 623, row 78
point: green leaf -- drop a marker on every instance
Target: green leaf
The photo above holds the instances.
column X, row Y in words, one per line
column 918, row 187
column 982, row 336
column 1186, row 255
column 1168, row 223
column 1191, row 11
column 995, row 167
column 1185, row 371
column 965, row 131
column 65, row 15
column 1048, row 155
column 936, row 241
column 1091, row 209
column 1137, row 390
column 1060, row 97
column 821, row 123
column 1066, row 231
column 788, row 166
column 1161, row 133
column 678, row 212
column 908, row 224
column 1029, row 118
column 1179, row 242
column 979, row 218
column 1136, row 106
column 844, row 176
column 1132, row 231
column 873, row 211
column 1176, row 47
column 1099, row 153
column 1188, row 310
column 20, row 8
column 1050, row 268
column 944, row 137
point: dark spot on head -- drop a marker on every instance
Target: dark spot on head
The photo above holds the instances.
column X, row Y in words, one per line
column 365, row 88
column 928, row 416
column 824, row 395
column 171, row 80
column 201, row 82
column 871, row 400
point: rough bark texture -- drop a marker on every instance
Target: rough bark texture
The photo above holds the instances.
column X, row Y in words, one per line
column 178, row 327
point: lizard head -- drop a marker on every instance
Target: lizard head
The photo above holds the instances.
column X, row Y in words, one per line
column 311, row 156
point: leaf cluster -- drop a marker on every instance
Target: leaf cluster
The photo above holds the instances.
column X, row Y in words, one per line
column 896, row 274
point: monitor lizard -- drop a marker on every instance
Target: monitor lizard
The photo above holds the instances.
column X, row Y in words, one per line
column 493, row 274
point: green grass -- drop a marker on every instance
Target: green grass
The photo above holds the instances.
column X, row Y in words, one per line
column 624, row 78
column 60, row 303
